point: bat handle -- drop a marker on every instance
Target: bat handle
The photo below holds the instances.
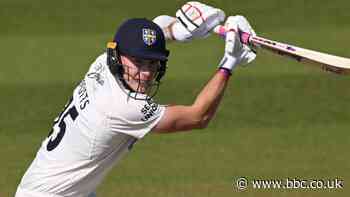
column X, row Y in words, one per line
column 243, row 36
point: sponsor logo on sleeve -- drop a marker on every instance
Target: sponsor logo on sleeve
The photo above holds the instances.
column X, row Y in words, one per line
column 149, row 110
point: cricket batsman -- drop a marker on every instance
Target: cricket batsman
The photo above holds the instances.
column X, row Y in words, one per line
column 112, row 107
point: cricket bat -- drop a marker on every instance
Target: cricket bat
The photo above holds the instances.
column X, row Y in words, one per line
column 326, row 62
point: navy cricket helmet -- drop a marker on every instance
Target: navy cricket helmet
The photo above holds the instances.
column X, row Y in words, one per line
column 141, row 38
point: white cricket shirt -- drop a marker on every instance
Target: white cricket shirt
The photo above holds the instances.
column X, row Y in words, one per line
column 98, row 126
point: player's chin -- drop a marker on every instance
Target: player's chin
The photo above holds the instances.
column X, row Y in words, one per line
column 138, row 87
column 141, row 89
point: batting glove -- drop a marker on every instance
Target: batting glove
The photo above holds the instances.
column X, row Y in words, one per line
column 196, row 20
column 235, row 51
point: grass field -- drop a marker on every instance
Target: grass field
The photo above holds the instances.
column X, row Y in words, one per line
column 279, row 119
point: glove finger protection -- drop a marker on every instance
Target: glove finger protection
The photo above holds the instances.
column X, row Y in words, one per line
column 196, row 20
column 243, row 24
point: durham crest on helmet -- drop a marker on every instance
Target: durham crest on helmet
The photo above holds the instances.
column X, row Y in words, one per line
column 149, row 36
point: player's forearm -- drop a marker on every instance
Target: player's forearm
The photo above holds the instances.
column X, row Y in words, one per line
column 210, row 97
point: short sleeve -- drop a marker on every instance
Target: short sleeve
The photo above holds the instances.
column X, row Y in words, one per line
column 136, row 117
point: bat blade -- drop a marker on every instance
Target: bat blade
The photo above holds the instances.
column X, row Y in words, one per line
column 327, row 62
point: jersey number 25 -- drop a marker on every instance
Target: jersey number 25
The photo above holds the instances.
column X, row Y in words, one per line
column 69, row 110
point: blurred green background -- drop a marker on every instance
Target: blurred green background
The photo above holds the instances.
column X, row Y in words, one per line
column 279, row 119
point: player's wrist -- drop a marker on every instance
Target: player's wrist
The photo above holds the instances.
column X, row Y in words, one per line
column 225, row 72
